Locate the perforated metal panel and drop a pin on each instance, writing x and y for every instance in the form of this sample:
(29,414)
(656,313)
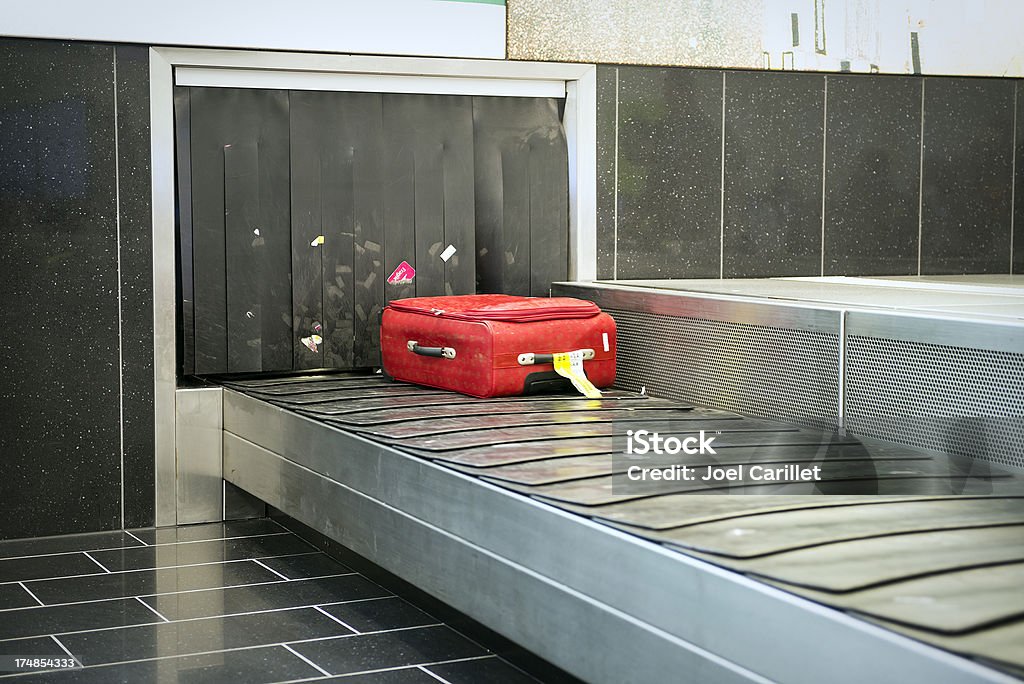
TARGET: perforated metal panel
(956,399)
(757,370)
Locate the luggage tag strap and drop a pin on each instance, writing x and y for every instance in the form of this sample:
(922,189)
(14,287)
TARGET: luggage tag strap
(570,365)
(532,359)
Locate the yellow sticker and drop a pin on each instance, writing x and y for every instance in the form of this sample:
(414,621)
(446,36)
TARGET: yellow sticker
(570,365)
(318,241)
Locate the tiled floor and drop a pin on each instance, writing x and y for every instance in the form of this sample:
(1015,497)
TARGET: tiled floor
(241,601)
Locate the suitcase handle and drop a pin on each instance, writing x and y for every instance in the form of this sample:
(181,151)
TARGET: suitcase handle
(531,359)
(436,352)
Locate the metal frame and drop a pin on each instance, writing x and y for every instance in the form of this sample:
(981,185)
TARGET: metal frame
(501,77)
(915,325)
(716,307)
(199,425)
(595,601)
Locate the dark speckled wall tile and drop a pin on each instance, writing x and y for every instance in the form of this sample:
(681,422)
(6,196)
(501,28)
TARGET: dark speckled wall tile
(873,156)
(1018,197)
(136,281)
(59,417)
(773,165)
(968,133)
(670,128)
(606,95)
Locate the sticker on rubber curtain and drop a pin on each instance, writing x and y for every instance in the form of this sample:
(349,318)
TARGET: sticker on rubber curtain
(402,275)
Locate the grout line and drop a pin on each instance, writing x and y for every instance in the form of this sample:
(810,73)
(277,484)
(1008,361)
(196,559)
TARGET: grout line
(264,565)
(164,567)
(920,186)
(171,593)
(218,539)
(227,615)
(338,620)
(432,674)
(440,662)
(306,660)
(120,317)
(280,525)
(1013,172)
(22,585)
(615,203)
(721,199)
(271,645)
(265,645)
(86,554)
(399,667)
(65,649)
(824,157)
(128,548)
(152,609)
(135,538)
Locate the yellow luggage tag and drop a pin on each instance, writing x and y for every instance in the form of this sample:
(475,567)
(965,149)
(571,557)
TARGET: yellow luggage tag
(570,365)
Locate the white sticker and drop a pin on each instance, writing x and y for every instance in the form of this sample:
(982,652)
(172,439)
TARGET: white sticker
(604,339)
(447,253)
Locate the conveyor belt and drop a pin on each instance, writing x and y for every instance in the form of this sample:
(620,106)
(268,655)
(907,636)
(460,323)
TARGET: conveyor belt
(931,553)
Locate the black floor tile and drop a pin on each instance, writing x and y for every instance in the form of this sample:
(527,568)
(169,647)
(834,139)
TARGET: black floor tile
(201,552)
(200,636)
(406,675)
(380,614)
(40,567)
(483,671)
(32,647)
(143,582)
(66,544)
(13,596)
(306,565)
(220,530)
(265,597)
(80,616)
(253,666)
(390,649)
(41,646)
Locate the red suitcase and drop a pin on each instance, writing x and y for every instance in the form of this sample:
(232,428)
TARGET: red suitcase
(494,345)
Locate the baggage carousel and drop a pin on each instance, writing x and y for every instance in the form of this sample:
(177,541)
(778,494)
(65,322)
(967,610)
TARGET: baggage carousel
(903,564)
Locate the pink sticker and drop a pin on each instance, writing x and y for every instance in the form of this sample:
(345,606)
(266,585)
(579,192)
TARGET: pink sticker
(403,274)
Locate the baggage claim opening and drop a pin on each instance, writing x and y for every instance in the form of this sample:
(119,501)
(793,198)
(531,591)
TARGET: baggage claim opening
(642,442)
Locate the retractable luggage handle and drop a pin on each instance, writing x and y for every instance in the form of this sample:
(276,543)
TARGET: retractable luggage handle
(530,359)
(436,352)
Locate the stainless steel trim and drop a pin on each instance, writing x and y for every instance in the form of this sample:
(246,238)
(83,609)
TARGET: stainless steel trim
(934,328)
(715,307)
(367,83)
(524,606)
(371,64)
(199,423)
(580,121)
(841,418)
(530,571)
(161,121)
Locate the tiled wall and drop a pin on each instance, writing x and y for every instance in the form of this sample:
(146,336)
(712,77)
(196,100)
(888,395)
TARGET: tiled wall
(76,351)
(711,173)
